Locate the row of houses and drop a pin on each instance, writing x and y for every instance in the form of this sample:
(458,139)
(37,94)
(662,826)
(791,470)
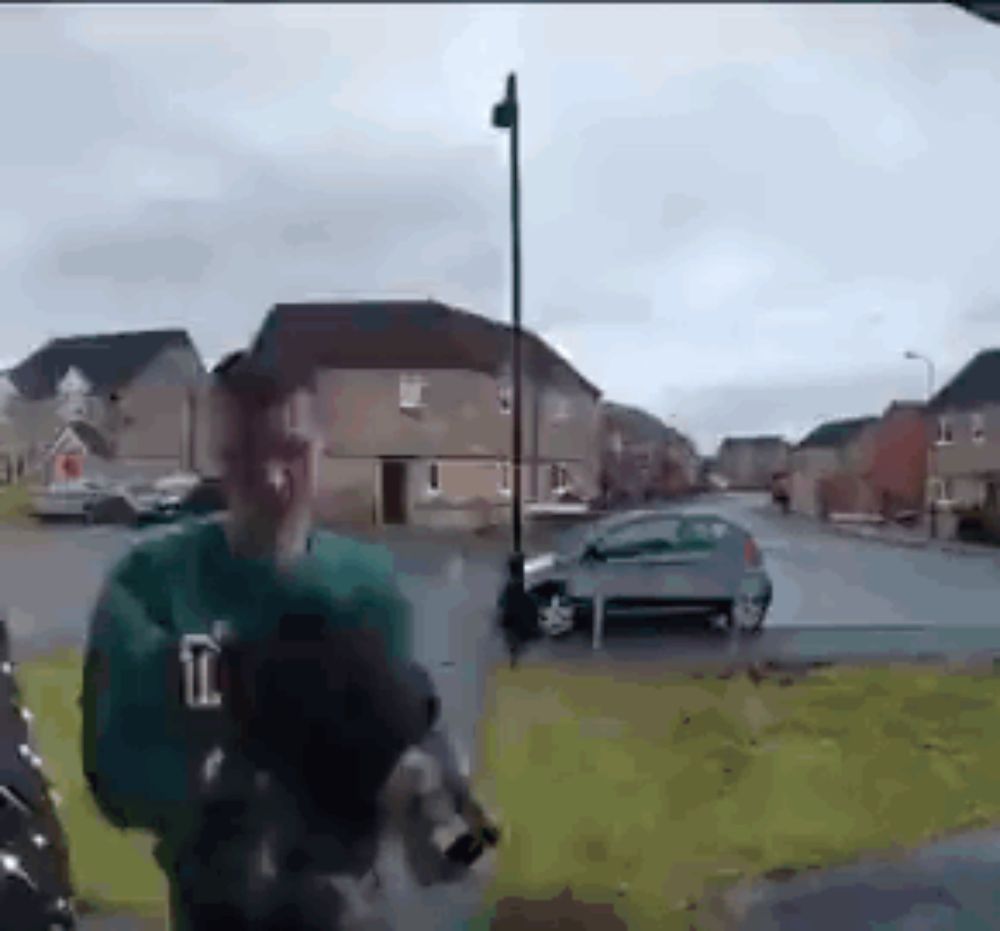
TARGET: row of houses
(940,458)
(417,403)
(750,462)
(642,459)
(863,465)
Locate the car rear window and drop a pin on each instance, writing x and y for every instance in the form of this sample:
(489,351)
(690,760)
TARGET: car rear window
(670,534)
(702,533)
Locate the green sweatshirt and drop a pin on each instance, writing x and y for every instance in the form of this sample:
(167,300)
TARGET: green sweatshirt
(137,752)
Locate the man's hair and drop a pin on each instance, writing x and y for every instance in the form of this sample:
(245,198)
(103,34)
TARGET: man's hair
(245,377)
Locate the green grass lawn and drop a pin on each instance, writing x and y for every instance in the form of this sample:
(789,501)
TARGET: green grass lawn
(15,504)
(676,787)
(644,797)
(113,870)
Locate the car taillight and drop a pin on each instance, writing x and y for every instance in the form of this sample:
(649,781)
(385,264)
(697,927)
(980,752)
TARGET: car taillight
(750,553)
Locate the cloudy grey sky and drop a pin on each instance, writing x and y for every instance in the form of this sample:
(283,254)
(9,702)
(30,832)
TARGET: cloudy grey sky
(737,217)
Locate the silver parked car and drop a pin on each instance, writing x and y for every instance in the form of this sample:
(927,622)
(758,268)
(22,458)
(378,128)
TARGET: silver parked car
(653,562)
(68,499)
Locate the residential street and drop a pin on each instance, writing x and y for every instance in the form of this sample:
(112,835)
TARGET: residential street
(834,596)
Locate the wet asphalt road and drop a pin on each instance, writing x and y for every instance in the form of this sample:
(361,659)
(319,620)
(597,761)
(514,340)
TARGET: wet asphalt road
(833,595)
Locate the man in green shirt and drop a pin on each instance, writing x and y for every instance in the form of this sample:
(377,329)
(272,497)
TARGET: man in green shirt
(152,693)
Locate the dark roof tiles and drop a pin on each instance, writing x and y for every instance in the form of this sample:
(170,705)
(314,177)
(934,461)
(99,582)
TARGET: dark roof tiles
(402,335)
(836,433)
(108,360)
(977,383)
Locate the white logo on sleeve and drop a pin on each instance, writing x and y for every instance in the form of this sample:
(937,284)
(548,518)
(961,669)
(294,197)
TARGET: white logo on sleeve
(200,669)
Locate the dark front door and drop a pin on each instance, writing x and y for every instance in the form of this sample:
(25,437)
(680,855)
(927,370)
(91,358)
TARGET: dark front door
(991,501)
(393,491)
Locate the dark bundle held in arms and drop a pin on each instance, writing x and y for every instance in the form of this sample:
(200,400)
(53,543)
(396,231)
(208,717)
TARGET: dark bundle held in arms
(315,723)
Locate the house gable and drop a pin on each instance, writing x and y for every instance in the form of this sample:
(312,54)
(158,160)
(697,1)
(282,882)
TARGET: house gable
(404,335)
(107,361)
(74,382)
(80,438)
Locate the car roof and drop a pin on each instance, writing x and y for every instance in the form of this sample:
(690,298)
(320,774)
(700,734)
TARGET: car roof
(579,538)
(650,514)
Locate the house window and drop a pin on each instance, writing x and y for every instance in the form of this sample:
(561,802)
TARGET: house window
(505,395)
(944,433)
(978,429)
(558,477)
(941,490)
(503,479)
(560,407)
(434,478)
(411,391)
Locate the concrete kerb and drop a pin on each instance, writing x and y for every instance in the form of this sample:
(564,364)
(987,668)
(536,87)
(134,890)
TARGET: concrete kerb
(866,533)
(890,539)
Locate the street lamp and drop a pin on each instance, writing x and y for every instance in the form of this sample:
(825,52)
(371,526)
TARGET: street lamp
(910,354)
(931,509)
(515,607)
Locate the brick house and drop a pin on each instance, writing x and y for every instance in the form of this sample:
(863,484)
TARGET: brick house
(964,425)
(896,471)
(116,404)
(750,462)
(642,458)
(825,469)
(417,402)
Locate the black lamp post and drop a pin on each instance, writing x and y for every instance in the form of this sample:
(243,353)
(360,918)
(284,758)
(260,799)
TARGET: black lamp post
(506,115)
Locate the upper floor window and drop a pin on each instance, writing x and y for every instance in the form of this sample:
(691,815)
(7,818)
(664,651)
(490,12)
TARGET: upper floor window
(978,428)
(411,391)
(434,477)
(505,396)
(560,407)
(944,431)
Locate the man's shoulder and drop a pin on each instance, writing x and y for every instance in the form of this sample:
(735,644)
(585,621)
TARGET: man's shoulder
(166,545)
(342,552)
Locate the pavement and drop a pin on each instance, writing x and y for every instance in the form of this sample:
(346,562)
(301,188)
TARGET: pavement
(950,884)
(838,596)
(913,539)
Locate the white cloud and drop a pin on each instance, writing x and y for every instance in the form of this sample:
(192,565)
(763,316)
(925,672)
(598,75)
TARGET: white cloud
(721,204)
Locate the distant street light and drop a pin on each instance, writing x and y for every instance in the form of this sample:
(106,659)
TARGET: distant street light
(910,354)
(931,509)
(506,115)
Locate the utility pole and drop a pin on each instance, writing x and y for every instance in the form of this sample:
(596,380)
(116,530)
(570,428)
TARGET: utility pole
(931,503)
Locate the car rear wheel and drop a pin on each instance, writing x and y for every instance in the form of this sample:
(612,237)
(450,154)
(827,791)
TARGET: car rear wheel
(746,614)
(556,615)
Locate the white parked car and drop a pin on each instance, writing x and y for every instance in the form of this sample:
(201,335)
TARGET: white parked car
(73,499)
